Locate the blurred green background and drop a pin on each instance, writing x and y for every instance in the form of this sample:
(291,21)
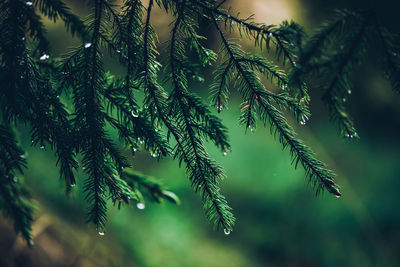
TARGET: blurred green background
(280,222)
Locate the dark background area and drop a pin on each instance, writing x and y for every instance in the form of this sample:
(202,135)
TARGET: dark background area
(280,222)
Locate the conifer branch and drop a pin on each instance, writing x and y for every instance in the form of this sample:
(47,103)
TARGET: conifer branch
(55,9)
(32,85)
(13,198)
(205,173)
(157,96)
(130,43)
(37,30)
(338,86)
(114,16)
(314,47)
(15,205)
(391,55)
(255,30)
(320,177)
(12,158)
(90,122)
(219,89)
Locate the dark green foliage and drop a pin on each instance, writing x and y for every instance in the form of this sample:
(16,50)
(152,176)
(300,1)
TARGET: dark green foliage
(391,58)
(36,90)
(13,197)
(336,50)
(55,9)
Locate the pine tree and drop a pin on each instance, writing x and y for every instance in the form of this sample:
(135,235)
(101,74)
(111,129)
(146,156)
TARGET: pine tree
(71,101)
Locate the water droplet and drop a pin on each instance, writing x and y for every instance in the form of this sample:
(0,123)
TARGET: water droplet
(154,155)
(15,179)
(140,206)
(349,91)
(118,51)
(337,196)
(73,185)
(44,57)
(229,16)
(134,115)
(22,156)
(29,3)
(23,38)
(134,149)
(101,233)
(225,153)
(42,147)
(227,231)
(344,99)
(129,197)
(302,122)
(83,168)
(141,142)
(270,35)
(87,45)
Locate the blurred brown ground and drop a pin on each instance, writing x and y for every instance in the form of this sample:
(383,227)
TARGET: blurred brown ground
(57,244)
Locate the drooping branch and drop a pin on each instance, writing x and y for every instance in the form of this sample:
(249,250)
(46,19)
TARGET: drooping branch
(321,177)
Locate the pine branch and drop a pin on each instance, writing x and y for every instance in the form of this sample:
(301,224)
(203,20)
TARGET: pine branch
(247,115)
(391,55)
(133,126)
(15,90)
(206,172)
(32,85)
(257,31)
(55,9)
(116,19)
(89,123)
(13,198)
(157,97)
(50,122)
(219,89)
(268,68)
(318,42)
(209,125)
(320,177)
(277,76)
(15,205)
(339,85)
(12,157)
(132,24)
(37,30)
